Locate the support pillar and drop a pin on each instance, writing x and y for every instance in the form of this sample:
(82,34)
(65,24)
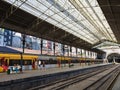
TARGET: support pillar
(41,45)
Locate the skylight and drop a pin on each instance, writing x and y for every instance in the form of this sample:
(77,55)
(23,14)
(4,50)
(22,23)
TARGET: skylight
(82,18)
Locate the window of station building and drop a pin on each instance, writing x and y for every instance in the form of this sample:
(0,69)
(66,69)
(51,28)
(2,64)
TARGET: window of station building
(82,53)
(9,37)
(5,43)
(73,51)
(5,33)
(0,37)
(86,53)
(78,52)
(59,49)
(9,32)
(8,43)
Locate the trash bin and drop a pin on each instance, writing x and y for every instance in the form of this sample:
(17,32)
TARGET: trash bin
(8,71)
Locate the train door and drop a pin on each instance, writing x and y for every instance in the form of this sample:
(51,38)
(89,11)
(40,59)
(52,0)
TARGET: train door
(4,63)
(59,61)
(69,63)
(34,64)
(1,69)
(1,61)
(7,62)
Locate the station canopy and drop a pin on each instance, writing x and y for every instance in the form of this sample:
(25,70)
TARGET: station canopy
(83,19)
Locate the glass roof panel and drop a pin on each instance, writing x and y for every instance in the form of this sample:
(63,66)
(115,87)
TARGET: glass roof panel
(82,18)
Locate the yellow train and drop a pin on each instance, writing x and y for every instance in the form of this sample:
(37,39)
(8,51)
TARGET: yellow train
(30,61)
(9,59)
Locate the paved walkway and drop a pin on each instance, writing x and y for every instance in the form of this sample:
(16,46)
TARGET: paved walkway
(32,73)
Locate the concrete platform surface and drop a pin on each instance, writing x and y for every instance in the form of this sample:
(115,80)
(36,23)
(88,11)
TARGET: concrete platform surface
(39,72)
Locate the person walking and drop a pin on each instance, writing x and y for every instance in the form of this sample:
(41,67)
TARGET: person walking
(43,64)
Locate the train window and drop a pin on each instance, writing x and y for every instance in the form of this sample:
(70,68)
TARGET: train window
(24,62)
(74,61)
(64,61)
(50,61)
(12,62)
(27,62)
(53,62)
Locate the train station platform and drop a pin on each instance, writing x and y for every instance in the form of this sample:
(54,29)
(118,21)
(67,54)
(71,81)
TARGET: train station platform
(32,73)
(6,79)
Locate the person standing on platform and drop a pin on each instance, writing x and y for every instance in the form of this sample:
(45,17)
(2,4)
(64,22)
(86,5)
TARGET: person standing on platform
(43,63)
(59,64)
(15,68)
(19,68)
(39,64)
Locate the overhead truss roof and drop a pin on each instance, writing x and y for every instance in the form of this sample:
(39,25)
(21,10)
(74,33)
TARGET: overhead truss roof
(79,23)
(111,10)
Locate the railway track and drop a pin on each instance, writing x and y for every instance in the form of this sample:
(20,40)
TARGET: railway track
(62,84)
(106,82)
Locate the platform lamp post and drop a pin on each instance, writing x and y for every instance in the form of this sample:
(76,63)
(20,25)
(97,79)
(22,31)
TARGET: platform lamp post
(68,50)
(23,47)
(76,51)
(63,55)
(85,57)
(54,48)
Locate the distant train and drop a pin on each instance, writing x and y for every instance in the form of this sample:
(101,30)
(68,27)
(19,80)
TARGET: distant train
(54,61)
(30,61)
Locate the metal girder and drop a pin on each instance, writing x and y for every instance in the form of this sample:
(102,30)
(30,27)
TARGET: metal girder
(73,2)
(56,5)
(65,35)
(35,31)
(35,23)
(17,22)
(99,18)
(9,12)
(108,9)
(12,27)
(53,30)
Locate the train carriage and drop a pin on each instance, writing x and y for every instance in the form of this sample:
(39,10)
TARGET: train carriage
(30,61)
(50,61)
(10,59)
